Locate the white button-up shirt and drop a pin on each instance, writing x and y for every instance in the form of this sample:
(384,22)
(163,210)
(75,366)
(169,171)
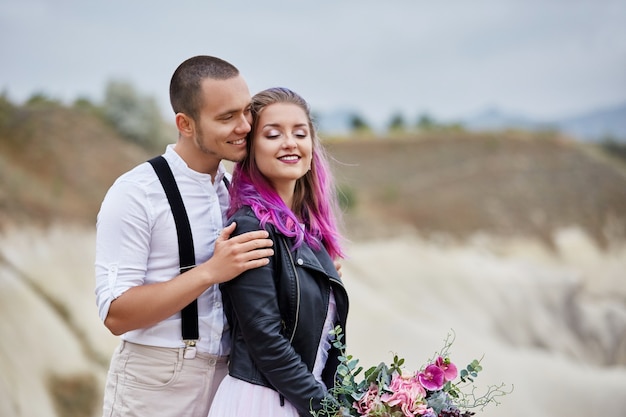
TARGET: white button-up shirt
(136,244)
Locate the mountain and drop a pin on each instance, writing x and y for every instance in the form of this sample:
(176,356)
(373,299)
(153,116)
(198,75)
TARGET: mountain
(593,126)
(336,122)
(597,125)
(496,119)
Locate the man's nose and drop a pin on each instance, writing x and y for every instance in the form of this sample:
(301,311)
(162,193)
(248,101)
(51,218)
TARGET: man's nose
(245,124)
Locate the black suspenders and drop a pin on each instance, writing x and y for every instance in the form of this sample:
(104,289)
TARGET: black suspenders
(189,314)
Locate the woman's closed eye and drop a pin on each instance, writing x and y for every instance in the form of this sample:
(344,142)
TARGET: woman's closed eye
(275,133)
(301,133)
(272,134)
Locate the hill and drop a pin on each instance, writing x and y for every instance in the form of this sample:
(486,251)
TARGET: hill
(58,162)
(459,185)
(595,126)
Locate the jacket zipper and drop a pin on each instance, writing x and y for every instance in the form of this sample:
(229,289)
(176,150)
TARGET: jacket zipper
(295,271)
(337,282)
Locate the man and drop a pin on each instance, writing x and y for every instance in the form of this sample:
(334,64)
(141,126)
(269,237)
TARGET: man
(139,288)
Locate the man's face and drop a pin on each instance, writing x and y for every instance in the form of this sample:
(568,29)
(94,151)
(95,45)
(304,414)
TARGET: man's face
(224,119)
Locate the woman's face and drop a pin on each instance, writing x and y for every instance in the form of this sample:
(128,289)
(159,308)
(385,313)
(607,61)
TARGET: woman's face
(283,146)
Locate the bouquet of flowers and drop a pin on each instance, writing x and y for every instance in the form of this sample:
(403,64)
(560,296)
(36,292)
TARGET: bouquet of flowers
(438,389)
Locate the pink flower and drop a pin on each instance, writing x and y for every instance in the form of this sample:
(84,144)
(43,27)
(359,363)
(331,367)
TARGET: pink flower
(423,408)
(407,394)
(432,378)
(370,401)
(449,369)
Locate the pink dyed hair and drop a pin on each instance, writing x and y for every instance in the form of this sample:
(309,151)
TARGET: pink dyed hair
(314,202)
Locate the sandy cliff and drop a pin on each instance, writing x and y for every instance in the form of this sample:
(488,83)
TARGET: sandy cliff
(553,324)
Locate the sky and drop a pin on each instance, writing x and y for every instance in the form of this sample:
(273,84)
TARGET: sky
(542,59)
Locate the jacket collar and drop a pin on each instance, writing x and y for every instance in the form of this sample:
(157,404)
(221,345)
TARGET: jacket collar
(319,260)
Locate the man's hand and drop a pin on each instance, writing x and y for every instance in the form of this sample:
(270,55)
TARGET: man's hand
(146,305)
(232,256)
(338,268)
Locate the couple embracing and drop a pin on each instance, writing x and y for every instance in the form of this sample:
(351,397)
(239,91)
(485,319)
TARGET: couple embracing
(223,288)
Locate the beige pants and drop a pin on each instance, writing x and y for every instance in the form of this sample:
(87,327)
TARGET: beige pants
(158,382)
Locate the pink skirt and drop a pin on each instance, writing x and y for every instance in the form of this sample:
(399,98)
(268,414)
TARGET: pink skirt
(237,398)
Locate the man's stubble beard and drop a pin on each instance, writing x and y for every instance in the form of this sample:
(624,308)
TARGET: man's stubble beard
(200,143)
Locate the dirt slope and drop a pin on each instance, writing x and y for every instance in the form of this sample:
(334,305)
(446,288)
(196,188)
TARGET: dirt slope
(57,163)
(507,184)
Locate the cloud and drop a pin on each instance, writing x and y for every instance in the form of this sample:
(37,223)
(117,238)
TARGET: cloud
(543,59)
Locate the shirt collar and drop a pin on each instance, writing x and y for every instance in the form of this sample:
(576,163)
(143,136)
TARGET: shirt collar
(177,163)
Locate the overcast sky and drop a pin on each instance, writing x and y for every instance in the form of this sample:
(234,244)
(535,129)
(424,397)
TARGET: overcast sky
(452,59)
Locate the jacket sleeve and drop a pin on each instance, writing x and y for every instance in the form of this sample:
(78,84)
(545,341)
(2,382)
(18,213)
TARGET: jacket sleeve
(254,302)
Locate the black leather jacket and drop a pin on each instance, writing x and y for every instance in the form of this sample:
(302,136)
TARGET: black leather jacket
(277,313)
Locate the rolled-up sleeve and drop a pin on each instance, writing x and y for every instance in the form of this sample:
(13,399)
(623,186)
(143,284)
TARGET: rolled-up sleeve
(122,242)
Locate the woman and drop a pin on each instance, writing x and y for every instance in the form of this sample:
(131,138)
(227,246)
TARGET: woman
(282,361)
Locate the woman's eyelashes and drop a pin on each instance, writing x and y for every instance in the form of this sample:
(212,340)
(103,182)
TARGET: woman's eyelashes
(301,133)
(275,134)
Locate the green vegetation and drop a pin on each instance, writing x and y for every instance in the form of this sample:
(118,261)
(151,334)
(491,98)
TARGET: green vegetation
(6,112)
(614,148)
(347,198)
(134,116)
(358,124)
(396,123)
(398,126)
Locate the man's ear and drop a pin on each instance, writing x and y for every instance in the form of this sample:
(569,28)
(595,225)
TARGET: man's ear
(185,124)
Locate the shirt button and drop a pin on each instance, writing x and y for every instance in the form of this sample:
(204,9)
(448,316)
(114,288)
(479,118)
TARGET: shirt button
(218,305)
(300,261)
